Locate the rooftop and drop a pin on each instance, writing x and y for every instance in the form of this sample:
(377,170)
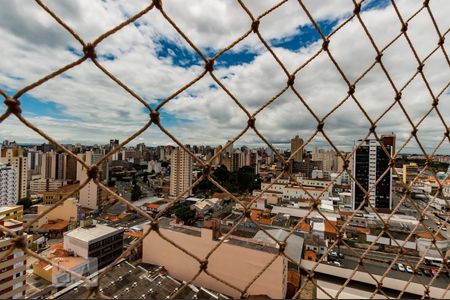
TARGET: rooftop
(144,281)
(92,233)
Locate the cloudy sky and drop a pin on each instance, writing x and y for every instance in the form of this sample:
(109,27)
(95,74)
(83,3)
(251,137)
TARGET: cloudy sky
(84,105)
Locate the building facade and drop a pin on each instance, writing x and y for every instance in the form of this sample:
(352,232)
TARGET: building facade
(180,172)
(370,163)
(13,266)
(17,159)
(8,185)
(296,143)
(95,241)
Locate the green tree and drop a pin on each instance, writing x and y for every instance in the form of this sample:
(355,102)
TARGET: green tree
(184,213)
(26,202)
(136,192)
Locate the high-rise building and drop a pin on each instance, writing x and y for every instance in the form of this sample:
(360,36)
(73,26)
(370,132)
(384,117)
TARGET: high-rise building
(180,172)
(13,266)
(369,164)
(8,185)
(17,159)
(235,160)
(296,143)
(410,172)
(89,194)
(327,157)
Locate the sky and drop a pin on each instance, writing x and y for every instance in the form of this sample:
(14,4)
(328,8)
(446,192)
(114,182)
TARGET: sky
(83,105)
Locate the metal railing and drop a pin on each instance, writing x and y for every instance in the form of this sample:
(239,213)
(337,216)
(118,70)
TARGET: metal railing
(89,53)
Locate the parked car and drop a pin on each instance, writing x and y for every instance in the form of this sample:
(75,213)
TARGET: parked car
(337,254)
(409,269)
(434,272)
(426,272)
(338,264)
(418,272)
(401,268)
(394,267)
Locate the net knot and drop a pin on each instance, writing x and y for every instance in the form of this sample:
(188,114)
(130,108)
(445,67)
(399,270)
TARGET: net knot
(20,242)
(209,66)
(92,172)
(404,28)
(255,26)
(203,265)
(398,96)
(357,8)
(251,122)
(291,80)
(13,106)
(325,44)
(206,169)
(154,225)
(378,57)
(372,128)
(157,4)
(154,117)
(320,126)
(282,247)
(89,51)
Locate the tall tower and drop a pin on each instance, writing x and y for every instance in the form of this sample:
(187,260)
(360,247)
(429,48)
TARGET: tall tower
(180,172)
(296,143)
(369,164)
(17,159)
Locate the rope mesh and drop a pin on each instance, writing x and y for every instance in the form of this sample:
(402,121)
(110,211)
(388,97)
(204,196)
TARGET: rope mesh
(14,109)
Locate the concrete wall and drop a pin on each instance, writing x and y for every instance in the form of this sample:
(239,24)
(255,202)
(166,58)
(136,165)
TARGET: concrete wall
(235,264)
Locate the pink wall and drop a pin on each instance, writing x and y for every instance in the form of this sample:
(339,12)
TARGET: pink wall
(234,264)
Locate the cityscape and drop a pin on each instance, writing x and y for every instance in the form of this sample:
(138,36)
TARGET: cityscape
(211,149)
(88,228)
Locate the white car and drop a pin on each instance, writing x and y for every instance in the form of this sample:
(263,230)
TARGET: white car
(401,268)
(409,269)
(336,263)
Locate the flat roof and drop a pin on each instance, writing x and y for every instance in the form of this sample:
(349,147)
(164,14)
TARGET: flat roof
(9,207)
(92,233)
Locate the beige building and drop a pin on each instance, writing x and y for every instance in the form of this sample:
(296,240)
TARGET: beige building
(237,260)
(180,172)
(296,143)
(328,159)
(66,211)
(410,171)
(42,185)
(13,266)
(51,197)
(17,158)
(89,194)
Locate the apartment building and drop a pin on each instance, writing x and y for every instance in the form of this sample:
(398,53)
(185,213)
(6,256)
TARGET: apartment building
(17,159)
(180,172)
(296,143)
(8,185)
(13,266)
(369,165)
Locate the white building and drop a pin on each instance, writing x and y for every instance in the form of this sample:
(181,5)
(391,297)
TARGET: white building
(18,161)
(180,172)
(8,185)
(95,241)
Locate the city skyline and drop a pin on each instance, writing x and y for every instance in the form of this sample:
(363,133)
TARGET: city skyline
(91,106)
